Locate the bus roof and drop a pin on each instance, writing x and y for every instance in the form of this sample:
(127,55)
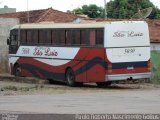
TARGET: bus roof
(58,25)
(67,25)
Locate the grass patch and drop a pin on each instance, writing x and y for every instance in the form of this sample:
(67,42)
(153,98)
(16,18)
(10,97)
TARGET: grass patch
(155,57)
(155,81)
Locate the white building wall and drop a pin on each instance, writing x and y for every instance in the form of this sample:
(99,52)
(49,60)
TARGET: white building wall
(5,25)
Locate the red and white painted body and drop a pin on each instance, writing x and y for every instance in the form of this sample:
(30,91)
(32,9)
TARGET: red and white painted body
(125,55)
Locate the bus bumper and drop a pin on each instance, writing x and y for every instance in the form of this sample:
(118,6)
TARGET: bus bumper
(118,77)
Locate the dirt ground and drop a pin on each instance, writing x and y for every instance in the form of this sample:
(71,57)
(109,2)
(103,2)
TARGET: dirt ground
(10,85)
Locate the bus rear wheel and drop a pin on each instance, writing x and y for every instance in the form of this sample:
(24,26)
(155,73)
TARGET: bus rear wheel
(103,84)
(70,78)
(17,70)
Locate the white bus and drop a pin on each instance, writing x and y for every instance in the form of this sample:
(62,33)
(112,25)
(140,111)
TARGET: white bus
(81,53)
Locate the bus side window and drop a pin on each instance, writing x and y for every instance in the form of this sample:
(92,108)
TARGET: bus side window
(42,36)
(48,37)
(35,36)
(76,37)
(23,37)
(29,37)
(68,37)
(92,37)
(84,37)
(62,37)
(99,37)
(55,37)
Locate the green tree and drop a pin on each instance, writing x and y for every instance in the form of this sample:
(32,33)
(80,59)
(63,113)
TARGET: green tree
(77,11)
(125,9)
(118,9)
(93,11)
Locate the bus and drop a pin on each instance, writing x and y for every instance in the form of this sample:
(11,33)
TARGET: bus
(99,53)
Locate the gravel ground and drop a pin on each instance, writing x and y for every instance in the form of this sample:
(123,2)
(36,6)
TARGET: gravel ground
(9,87)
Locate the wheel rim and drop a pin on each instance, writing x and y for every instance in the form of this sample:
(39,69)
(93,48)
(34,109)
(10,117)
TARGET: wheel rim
(70,78)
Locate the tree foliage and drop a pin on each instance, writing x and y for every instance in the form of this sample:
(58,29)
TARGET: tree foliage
(93,11)
(125,9)
(118,9)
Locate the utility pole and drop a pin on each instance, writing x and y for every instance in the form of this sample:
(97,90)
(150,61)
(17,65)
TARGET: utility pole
(105,10)
(27,12)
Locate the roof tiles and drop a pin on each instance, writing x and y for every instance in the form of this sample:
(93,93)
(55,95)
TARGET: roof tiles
(41,15)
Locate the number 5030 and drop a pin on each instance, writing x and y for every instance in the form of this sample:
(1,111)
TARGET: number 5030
(132,50)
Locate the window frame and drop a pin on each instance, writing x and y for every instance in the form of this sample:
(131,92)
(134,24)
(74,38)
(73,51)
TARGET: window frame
(80,37)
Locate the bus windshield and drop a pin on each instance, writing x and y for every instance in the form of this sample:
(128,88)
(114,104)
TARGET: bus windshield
(13,40)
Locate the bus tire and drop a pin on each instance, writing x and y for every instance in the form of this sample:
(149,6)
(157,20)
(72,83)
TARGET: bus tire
(17,70)
(103,84)
(70,78)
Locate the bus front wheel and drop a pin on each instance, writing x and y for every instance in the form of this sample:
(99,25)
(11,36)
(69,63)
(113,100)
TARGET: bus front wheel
(103,84)
(17,70)
(70,78)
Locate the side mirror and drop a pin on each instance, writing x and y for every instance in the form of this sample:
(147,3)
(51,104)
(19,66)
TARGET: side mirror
(8,41)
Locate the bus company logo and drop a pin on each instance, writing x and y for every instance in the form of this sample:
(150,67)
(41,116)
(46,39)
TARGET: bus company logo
(38,51)
(122,34)
(25,51)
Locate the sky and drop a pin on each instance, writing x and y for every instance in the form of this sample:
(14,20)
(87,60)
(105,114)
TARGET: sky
(61,5)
